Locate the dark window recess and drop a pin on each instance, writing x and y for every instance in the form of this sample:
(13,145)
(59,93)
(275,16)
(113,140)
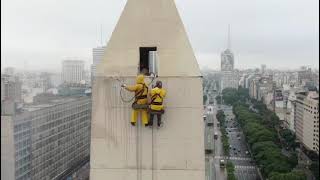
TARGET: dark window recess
(144,59)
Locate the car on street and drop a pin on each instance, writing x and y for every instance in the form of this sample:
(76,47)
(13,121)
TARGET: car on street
(222,163)
(215,135)
(247,152)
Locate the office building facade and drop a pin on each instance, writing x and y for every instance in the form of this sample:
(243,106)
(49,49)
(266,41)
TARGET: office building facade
(46,141)
(307,119)
(97,57)
(11,93)
(10,88)
(72,71)
(227,60)
(229,78)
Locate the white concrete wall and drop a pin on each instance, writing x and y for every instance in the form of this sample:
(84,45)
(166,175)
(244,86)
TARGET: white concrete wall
(149,23)
(178,146)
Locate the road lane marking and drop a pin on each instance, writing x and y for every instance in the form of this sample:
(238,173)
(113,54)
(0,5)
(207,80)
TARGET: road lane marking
(233,158)
(244,167)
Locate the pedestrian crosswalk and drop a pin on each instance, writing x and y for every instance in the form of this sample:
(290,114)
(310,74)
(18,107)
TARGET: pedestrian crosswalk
(233,158)
(244,167)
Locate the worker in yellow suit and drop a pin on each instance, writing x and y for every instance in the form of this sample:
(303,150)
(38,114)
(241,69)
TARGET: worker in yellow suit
(156,105)
(141,91)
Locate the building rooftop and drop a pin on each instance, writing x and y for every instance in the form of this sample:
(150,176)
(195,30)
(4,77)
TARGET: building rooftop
(50,103)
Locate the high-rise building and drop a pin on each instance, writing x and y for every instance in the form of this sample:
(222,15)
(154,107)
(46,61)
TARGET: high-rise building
(265,86)
(11,93)
(227,60)
(10,88)
(72,71)
(262,88)
(307,119)
(263,68)
(97,57)
(229,78)
(289,119)
(46,141)
(279,105)
(304,76)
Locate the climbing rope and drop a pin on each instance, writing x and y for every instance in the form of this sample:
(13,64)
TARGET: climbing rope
(152,149)
(121,90)
(124,100)
(154,76)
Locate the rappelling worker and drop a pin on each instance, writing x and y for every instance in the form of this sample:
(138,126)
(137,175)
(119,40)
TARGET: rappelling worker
(157,95)
(141,91)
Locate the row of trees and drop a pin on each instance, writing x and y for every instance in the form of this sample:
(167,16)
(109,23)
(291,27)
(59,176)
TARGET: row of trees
(224,137)
(218,99)
(264,144)
(232,96)
(260,130)
(230,171)
(288,139)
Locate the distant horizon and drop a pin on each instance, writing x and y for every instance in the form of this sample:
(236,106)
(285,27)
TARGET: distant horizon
(262,32)
(203,68)
(211,61)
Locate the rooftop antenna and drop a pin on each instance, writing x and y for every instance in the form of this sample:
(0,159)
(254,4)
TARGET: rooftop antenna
(229,39)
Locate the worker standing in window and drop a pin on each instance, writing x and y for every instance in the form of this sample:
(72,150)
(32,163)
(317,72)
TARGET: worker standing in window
(156,105)
(141,102)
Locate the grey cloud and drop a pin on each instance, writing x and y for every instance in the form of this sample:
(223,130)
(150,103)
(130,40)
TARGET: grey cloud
(271,32)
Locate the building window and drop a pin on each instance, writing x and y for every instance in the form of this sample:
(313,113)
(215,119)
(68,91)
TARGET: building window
(144,59)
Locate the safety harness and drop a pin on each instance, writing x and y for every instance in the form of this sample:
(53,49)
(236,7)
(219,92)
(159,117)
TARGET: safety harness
(139,95)
(154,97)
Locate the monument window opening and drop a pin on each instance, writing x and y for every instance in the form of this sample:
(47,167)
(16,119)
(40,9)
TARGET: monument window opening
(146,65)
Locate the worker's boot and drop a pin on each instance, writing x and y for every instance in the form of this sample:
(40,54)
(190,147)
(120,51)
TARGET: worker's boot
(133,123)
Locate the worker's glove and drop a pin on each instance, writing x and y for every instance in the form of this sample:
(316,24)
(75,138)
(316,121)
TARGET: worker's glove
(123,85)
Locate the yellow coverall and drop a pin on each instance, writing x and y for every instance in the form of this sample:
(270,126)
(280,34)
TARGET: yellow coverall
(158,96)
(138,87)
(156,104)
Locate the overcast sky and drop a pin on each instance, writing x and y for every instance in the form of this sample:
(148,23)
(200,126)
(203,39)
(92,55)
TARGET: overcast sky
(38,34)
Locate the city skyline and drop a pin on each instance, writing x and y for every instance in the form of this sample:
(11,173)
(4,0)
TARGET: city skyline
(258,36)
(160,89)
